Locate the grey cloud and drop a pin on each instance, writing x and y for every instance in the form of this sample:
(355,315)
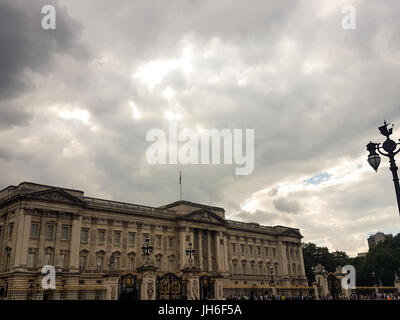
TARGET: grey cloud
(304,122)
(286,205)
(26,47)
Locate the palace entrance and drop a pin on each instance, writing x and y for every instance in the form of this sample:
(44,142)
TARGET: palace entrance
(169,287)
(206,288)
(128,287)
(334,286)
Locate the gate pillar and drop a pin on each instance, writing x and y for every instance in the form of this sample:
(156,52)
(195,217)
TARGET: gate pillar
(191,277)
(218,288)
(111,285)
(147,276)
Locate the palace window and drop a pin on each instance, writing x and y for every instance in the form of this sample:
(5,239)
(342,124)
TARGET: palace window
(260,268)
(274,252)
(84,235)
(244,271)
(63,263)
(34,230)
(115,261)
(259,251)
(234,266)
(100,261)
(48,256)
(252,267)
(102,236)
(10,230)
(117,237)
(171,263)
(83,260)
(65,233)
(158,241)
(233,248)
(50,232)
(8,258)
(251,250)
(31,258)
(131,259)
(171,242)
(131,238)
(158,260)
(266,251)
(242,248)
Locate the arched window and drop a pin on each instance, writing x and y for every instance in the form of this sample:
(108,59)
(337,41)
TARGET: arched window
(32,254)
(234,266)
(244,269)
(100,260)
(159,261)
(260,267)
(115,260)
(131,261)
(171,263)
(252,271)
(83,257)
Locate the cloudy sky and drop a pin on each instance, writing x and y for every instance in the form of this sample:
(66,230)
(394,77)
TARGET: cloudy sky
(77,102)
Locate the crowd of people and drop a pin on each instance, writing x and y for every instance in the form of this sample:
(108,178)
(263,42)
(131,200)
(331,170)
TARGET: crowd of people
(373,296)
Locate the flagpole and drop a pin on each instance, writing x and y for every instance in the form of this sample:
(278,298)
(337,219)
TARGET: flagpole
(180,183)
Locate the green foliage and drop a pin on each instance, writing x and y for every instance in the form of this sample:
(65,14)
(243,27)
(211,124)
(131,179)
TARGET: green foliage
(378,266)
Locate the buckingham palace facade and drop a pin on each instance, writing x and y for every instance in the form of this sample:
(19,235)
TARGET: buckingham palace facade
(97,249)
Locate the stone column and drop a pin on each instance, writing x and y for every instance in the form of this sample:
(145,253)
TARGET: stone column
(200,234)
(24,230)
(75,242)
(281,253)
(303,272)
(209,251)
(226,262)
(182,244)
(218,252)
(42,230)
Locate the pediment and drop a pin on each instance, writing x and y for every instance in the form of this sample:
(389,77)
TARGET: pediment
(55,194)
(204,215)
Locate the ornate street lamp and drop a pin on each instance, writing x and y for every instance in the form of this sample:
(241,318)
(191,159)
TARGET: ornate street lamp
(190,252)
(271,272)
(390,147)
(147,249)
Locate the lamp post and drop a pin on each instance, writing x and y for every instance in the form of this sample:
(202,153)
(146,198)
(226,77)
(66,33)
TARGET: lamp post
(190,252)
(147,249)
(271,272)
(390,147)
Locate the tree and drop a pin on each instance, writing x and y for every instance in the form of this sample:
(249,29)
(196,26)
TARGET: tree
(378,266)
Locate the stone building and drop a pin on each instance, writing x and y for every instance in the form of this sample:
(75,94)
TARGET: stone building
(374,239)
(93,243)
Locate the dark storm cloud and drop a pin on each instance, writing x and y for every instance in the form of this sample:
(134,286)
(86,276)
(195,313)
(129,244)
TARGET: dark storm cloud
(26,47)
